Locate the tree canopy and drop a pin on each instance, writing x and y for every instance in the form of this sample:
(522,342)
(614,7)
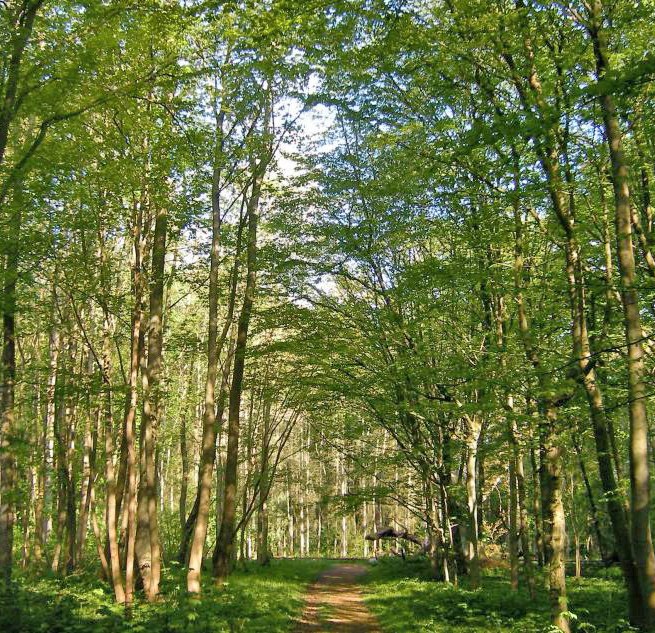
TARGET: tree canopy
(328,279)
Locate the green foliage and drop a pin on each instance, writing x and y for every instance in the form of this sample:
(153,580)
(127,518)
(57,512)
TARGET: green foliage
(263,600)
(407,601)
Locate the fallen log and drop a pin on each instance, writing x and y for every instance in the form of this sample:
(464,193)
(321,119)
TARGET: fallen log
(389,532)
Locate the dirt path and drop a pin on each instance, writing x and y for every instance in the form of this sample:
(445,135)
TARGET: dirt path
(334,603)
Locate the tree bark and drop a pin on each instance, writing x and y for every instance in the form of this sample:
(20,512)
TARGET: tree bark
(208,451)
(552,507)
(7,456)
(48,423)
(642,543)
(129,425)
(473,425)
(225,541)
(188,528)
(263,555)
(110,478)
(148,548)
(23,24)
(512,533)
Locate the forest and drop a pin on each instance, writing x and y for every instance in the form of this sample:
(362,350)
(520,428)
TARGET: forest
(327,315)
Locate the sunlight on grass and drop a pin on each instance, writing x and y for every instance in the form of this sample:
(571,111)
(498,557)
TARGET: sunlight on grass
(257,600)
(405,600)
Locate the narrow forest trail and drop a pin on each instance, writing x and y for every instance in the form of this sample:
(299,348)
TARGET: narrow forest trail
(335,603)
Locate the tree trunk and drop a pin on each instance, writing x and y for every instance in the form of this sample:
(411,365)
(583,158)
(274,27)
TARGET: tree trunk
(7,456)
(642,544)
(512,533)
(208,451)
(553,511)
(473,426)
(343,484)
(136,361)
(147,544)
(18,43)
(590,498)
(524,536)
(111,516)
(90,452)
(188,528)
(263,556)
(536,508)
(554,521)
(127,467)
(225,541)
(184,457)
(48,425)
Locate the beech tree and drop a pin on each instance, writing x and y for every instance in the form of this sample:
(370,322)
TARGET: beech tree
(327,280)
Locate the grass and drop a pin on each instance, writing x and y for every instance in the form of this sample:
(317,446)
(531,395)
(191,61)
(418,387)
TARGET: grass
(268,600)
(405,600)
(256,600)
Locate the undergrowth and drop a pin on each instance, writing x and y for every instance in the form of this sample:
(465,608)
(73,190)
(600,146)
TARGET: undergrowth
(255,600)
(406,600)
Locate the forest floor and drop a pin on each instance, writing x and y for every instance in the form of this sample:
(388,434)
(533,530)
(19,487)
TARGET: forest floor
(311,596)
(404,599)
(255,600)
(335,603)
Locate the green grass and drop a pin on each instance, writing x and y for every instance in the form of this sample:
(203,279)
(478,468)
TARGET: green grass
(256,600)
(407,601)
(267,600)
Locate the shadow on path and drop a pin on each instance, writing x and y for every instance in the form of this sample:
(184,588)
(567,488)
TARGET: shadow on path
(335,604)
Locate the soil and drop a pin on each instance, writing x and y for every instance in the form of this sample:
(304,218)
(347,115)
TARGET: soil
(334,603)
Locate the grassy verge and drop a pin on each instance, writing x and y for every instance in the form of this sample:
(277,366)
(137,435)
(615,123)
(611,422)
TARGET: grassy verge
(407,601)
(256,600)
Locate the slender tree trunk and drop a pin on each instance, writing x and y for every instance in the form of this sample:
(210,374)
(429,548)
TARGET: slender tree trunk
(18,43)
(524,535)
(48,425)
(208,452)
(225,541)
(590,498)
(554,521)
(127,477)
(642,544)
(307,484)
(7,430)
(536,508)
(512,533)
(188,529)
(90,450)
(85,484)
(343,485)
(70,413)
(184,457)
(25,520)
(574,529)
(11,255)
(552,507)
(587,376)
(102,557)
(61,468)
(136,361)
(110,477)
(263,555)
(473,426)
(480,483)
(150,556)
